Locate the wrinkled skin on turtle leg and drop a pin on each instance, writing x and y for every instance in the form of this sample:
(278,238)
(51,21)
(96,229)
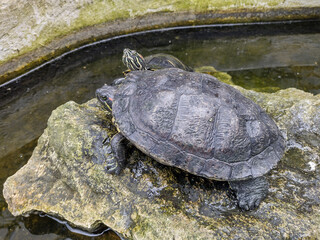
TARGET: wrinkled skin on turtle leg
(250,192)
(118,145)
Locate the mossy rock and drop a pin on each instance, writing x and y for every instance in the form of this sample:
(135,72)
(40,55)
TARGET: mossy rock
(66,177)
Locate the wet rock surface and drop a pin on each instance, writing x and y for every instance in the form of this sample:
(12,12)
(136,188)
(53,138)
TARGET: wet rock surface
(66,177)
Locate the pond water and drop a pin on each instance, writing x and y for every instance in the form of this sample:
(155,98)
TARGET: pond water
(264,57)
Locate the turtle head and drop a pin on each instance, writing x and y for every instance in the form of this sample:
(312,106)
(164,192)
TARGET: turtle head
(105,96)
(133,60)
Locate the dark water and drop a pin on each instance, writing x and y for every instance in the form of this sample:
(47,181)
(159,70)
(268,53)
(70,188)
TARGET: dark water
(263,57)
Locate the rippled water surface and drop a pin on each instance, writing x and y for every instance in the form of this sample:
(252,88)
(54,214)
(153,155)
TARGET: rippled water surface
(266,57)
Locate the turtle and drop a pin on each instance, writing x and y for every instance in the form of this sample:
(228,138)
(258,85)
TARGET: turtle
(135,61)
(194,122)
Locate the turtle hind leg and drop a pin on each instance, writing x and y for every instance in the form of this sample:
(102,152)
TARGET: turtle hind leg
(118,145)
(250,192)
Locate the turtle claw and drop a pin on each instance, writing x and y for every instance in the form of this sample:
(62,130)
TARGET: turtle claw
(249,203)
(256,203)
(250,192)
(115,164)
(243,206)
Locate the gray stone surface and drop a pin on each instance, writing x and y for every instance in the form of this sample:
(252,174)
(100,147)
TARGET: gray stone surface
(65,177)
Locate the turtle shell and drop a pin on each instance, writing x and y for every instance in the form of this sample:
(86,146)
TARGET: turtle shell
(197,123)
(162,60)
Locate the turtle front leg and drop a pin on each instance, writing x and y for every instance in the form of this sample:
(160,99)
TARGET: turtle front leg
(118,145)
(250,192)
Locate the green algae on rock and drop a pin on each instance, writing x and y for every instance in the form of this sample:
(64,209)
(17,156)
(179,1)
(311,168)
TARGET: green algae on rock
(65,177)
(222,76)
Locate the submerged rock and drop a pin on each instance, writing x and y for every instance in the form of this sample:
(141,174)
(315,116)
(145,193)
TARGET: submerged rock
(66,177)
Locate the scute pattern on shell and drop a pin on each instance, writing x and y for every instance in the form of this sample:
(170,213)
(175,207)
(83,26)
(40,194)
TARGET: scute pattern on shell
(197,123)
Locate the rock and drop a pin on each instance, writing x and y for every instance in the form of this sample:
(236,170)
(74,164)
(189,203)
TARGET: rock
(65,177)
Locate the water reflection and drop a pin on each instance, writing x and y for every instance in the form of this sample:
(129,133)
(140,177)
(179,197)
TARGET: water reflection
(273,79)
(36,227)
